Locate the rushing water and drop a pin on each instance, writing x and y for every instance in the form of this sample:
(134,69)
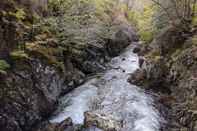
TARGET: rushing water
(112,95)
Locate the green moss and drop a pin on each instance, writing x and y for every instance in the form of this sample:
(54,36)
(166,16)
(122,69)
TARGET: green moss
(194,40)
(15,55)
(3,66)
(146,36)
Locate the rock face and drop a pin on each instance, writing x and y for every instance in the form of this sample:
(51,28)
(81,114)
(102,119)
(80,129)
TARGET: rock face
(29,94)
(172,75)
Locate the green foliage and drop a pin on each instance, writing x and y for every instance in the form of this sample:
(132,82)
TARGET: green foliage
(194,19)
(144,22)
(4,66)
(78,24)
(194,40)
(19,55)
(19,14)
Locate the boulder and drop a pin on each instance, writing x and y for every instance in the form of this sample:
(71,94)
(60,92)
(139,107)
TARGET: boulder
(138,77)
(101,121)
(121,39)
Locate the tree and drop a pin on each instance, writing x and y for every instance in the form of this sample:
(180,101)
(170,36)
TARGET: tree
(177,11)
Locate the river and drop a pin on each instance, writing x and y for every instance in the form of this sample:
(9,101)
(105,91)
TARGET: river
(111,95)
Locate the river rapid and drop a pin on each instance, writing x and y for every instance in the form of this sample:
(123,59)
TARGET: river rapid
(112,96)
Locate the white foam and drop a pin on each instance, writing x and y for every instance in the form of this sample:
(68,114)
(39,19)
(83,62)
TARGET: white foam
(116,97)
(75,104)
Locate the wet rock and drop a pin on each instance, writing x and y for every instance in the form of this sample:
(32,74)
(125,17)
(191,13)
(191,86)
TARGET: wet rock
(92,67)
(136,49)
(71,84)
(121,39)
(141,61)
(66,125)
(138,77)
(106,123)
(123,59)
(29,93)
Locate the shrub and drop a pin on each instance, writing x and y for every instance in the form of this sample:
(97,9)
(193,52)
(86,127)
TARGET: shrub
(3,66)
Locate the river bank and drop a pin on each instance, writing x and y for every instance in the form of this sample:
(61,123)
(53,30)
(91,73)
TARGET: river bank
(168,67)
(110,102)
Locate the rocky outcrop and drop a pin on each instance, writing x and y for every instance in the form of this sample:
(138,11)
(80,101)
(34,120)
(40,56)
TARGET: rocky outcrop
(172,75)
(29,93)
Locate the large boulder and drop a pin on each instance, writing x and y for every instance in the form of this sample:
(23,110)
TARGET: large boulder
(121,39)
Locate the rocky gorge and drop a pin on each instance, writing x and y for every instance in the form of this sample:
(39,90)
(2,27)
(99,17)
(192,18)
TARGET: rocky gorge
(30,91)
(86,65)
(34,82)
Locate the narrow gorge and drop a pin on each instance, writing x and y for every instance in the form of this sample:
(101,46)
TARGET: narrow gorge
(98,65)
(110,102)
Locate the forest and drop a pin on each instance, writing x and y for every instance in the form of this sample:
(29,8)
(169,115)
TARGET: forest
(98,65)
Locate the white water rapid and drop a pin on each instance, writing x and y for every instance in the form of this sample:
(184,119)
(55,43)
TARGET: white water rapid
(112,95)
